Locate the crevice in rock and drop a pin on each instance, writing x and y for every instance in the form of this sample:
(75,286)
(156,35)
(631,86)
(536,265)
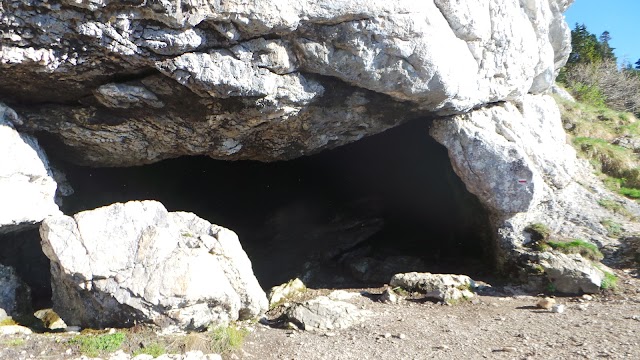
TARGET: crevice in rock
(21,250)
(349,216)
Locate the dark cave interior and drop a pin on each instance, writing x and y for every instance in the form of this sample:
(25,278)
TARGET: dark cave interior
(345,217)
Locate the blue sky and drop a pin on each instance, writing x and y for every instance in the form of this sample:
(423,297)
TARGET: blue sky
(620,17)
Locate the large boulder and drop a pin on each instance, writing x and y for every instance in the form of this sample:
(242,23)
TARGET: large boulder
(27,187)
(571,274)
(263,80)
(137,262)
(323,313)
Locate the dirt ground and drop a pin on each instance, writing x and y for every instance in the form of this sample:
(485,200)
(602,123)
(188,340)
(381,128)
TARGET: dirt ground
(498,324)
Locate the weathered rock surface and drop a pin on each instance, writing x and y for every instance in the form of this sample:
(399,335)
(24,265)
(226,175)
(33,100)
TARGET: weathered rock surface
(571,273)
(443,287)
(136,262)
(15,296)
(27,187)
(516,159)
(281,293)
(322,313)
(264,80)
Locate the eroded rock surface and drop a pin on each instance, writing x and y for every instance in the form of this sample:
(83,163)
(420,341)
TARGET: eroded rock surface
(123,83)
(444,287)
(323,313)
(136,262)
(27,187)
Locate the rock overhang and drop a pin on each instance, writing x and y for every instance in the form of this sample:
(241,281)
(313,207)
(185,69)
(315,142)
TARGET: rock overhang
(265,81)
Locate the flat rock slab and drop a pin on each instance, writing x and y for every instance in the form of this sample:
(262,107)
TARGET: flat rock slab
(136,262)
(322,313)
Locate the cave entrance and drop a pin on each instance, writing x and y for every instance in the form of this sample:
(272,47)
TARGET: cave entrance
(350,216)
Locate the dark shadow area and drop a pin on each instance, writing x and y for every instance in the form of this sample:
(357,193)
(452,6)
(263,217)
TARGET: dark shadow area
(350,216)
(22,251)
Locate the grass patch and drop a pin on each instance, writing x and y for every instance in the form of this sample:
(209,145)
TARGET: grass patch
(220,340)
(615,206)
(154,349)
(629,192)
(609,282)
(227,338)
(95,345)
(577,246)
(593,128)
(614,229)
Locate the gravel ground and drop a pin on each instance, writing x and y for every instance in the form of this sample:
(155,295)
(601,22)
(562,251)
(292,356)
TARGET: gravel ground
(495,325)
(499,326)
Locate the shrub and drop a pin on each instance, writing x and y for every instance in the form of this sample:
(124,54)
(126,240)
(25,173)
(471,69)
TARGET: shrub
(602,83)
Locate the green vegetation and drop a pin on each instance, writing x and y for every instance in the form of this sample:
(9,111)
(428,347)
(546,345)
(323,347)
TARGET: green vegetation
(609,282)
(614,229)
(578,246)
(226,338)
(614,206)
(154,349)
(7,321)
(604,123)
(95,345)
(593,76)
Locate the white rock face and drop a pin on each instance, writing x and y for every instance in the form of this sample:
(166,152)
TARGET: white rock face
(266,80)
(509,157)
(323,313)
(571,274)
(27,188)
(131,262)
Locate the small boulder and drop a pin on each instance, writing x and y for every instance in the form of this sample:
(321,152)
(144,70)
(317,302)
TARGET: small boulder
(388,296)
(546,303)
(443,287)
(137,262)
(571,273)
(50,319)
(323,313)
(286,291)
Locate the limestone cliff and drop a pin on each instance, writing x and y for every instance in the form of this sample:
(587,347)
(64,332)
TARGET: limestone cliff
(134,82)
